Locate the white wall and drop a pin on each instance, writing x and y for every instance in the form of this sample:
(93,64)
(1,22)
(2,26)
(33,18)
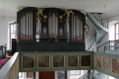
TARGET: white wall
(56,74)
(111,22)
(102,76)
(105,39)
(111,30)
(90,34)
(116,18)
(4,29)
(0,30)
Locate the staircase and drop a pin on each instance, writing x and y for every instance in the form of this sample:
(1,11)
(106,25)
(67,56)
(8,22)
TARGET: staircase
(100,26)
(110,47)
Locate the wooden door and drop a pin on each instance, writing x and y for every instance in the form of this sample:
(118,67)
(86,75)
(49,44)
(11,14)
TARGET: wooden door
(14,45)
(47,75)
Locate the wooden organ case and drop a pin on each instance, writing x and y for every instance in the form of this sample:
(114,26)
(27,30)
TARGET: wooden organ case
(50,29)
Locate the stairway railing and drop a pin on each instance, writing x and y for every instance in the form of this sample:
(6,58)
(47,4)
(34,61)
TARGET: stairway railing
(101,21)
(83,76)
(109,45)
(98,21)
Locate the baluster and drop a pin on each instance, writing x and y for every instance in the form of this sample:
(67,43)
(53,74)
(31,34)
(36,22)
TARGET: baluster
(100,21)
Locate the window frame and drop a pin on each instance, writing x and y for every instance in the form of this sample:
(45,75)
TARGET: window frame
(115,31)
(11,29)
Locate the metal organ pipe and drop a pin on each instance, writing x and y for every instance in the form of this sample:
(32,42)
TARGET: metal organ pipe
(26,26)
(53,27)
(49,25)
(81,28)
(38,29)
(67,24)
(56,26)
(72,27)
(31,25)
(23,27)
(65,28)
(77,28)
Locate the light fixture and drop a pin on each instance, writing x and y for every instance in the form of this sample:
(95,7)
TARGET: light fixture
(104,10)
(3,18)
(105,23)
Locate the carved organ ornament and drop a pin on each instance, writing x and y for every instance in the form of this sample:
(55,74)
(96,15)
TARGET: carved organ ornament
(50,24)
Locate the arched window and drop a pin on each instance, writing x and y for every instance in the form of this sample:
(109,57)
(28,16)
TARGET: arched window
(13,30)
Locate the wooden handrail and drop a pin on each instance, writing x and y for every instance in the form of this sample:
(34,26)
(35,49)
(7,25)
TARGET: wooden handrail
(7,68)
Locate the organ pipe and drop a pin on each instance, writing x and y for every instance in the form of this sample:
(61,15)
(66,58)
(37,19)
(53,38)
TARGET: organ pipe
(26,26)
(53,26)
(76,29)
(31,25)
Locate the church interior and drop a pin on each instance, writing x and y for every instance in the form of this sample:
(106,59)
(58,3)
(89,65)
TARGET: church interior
(59,39)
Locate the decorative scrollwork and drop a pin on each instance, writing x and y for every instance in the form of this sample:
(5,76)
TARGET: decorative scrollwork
(40,12)
(68,13)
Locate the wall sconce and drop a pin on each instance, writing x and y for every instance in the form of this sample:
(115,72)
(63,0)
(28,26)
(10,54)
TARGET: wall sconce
(3,18)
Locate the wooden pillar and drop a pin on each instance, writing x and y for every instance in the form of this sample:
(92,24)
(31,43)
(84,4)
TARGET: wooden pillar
(65,74)
(34,77)
(89,74)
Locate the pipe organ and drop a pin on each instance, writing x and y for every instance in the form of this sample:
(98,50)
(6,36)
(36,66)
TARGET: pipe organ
(49,25)
(26,26)
(53,26)
(77,25)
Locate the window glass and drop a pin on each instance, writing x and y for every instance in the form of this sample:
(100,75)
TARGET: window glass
(20,74)
(110,77)
(117,37)
(75,72)
(117,29)
(13,30)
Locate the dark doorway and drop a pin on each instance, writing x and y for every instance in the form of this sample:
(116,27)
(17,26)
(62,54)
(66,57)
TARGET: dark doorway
(47,75)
